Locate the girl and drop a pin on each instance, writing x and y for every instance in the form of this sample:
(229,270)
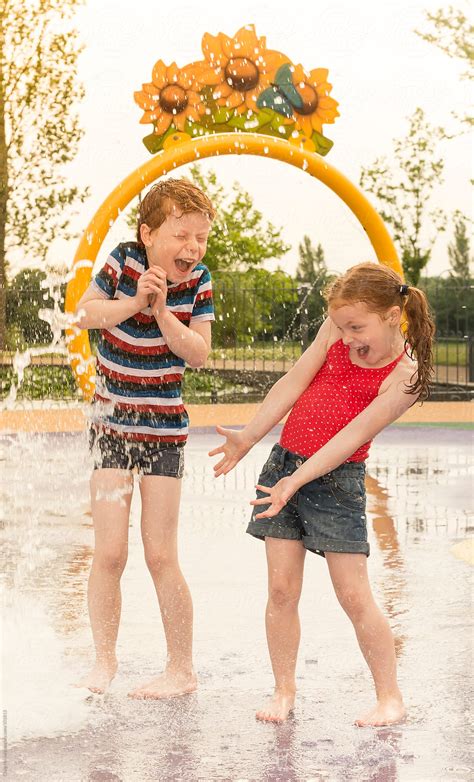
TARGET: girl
(360,374)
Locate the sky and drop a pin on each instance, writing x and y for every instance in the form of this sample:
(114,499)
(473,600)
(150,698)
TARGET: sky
(381,71)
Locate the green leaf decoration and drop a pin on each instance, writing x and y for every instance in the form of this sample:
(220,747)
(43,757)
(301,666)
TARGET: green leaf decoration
(239,122)
(222,115)
(322,144)
(154,143)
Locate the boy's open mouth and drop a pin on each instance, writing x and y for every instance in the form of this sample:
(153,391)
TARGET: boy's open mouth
(184,265)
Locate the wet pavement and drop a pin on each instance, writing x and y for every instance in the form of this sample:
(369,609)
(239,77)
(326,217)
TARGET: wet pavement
(420,495)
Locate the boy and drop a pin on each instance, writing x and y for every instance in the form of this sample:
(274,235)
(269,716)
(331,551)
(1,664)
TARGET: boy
(153,303)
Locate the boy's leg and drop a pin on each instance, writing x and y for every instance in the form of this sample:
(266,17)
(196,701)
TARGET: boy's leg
(351,583)
(160,510)
(111,494)
(285,559)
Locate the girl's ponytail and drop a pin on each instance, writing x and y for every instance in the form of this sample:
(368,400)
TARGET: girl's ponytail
(419,339)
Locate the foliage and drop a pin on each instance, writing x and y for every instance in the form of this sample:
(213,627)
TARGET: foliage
(451,31)
(452,303)
(313,276)
(27,294)
(404,191)
(251,305)
(39,127)
(459,251)
(240,239)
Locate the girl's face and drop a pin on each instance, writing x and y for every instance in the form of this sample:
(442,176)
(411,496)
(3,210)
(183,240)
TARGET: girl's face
(373,339)
(178,245)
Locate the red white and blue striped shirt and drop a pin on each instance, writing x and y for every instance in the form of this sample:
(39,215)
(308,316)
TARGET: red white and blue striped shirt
(138,378)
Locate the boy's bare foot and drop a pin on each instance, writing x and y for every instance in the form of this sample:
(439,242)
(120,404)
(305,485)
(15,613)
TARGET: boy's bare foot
(277,708)
(99,678)
(385,712)
(167,685)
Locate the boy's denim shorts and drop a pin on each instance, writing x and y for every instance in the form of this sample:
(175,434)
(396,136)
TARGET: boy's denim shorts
(147,458)
(327,514)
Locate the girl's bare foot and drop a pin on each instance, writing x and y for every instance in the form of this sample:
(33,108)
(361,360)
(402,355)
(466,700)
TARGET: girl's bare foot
(168,685)
(99,678)
(277,708)
(385,712)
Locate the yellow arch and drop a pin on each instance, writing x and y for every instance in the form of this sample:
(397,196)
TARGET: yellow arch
(166,162)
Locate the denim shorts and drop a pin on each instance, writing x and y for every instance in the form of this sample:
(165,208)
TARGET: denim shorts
(147,458)
(327,514)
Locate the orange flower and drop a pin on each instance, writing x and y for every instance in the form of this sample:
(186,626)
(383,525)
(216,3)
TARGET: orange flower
(171,97)
(318,108)
(238,68)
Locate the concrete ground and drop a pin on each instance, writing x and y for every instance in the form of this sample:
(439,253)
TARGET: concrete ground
(419,498)
(69,418)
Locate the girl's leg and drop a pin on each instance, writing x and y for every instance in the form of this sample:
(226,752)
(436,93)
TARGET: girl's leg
(111,494)
(285,559)
(160,508)
(350,580)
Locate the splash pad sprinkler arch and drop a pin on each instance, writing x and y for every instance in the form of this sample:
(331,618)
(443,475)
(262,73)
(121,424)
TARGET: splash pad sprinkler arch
(241,99)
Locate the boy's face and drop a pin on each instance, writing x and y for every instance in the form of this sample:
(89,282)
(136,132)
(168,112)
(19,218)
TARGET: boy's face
(178,244)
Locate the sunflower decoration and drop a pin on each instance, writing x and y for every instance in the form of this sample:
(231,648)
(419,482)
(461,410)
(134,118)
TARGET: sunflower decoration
(304,98)
(240,85)
(239,69)
(171,101)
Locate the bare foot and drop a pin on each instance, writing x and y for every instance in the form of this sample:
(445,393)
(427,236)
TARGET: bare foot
(385,712)
(277,708)
(167,685)
(99,678)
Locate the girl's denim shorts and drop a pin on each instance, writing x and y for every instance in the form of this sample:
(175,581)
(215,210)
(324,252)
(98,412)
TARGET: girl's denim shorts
(327,514)
(147,458)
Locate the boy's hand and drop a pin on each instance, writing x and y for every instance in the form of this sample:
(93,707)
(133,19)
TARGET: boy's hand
(158,300)
(150,287)
(278,496)
(234,449)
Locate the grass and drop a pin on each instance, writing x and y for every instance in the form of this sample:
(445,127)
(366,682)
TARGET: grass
(451,354)
(267,351)
(57,382)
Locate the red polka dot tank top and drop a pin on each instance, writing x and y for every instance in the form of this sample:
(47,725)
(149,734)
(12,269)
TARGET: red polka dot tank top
(336,395)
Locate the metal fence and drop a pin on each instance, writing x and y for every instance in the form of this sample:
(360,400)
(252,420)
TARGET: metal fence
(258,335)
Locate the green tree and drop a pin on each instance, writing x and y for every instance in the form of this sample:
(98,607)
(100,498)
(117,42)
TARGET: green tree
(404,189)
(26,295)
(240,238)
(459,251)
(313,276)
(254,305)
(39,127)
(451,31)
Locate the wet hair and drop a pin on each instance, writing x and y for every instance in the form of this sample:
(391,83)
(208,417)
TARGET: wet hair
(163,196)
(381,288)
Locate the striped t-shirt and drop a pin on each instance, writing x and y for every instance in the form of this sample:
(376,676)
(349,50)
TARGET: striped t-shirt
(138,378)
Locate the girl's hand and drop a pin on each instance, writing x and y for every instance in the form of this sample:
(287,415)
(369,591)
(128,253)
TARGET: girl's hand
(278,496)
(234,448)
(149,286)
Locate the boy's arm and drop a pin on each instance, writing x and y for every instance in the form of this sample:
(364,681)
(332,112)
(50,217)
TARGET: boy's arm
(279,400)
(384,409)
(192,343)
(97,311)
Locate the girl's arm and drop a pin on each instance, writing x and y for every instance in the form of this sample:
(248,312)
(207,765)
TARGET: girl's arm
(279,400)
(385,409)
